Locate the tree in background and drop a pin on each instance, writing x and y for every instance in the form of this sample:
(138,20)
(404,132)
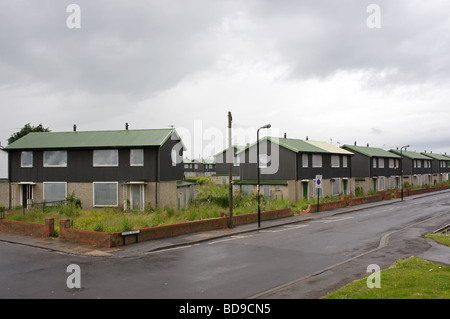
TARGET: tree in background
(25,130)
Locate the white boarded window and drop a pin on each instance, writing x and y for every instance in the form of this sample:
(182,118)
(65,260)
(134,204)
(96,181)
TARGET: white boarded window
(374,162)
(55,159)
(106,158)
(55,192)
(26,159)
(391,182)
(381,185)
(334,160)
(305,160)
(381,163)
(335,186)
(317,160)
(391,163)
(344,161)
(105,194)
(137,157)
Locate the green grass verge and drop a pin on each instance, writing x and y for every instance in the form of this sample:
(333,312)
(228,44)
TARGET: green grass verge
(410,278)
(440,238)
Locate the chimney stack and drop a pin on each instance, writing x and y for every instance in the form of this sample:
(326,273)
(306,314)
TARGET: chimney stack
(126,126)
(284,135)
(74,127)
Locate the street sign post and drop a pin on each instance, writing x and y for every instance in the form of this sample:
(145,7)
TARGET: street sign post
(318,186)
(318,181)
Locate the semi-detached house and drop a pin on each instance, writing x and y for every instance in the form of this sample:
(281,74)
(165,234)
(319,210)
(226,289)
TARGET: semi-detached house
(374,169)
(440,167)
(120,168)
(416,168)
(289,168)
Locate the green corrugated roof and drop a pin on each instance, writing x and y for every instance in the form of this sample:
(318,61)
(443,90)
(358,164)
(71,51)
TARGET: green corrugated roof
(304,146)
(436,156)
(411,155)
(297,145)
(371,151)
(90,139)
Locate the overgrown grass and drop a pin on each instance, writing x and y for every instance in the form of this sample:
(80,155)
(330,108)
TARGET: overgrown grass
(410,278)
(212,200)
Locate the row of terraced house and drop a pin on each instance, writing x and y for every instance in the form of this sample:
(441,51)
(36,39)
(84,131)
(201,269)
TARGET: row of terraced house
(136,168)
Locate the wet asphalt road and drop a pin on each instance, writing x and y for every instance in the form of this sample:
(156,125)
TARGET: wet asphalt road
(302,260)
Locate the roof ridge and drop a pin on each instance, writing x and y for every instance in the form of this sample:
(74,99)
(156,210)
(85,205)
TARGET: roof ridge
(89,139)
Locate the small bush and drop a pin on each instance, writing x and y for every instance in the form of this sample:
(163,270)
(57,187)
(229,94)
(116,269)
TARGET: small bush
(99,226)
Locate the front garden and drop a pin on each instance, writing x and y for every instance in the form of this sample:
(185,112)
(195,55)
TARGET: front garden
(212,202)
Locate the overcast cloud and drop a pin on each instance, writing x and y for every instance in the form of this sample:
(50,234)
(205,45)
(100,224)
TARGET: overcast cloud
(310,68)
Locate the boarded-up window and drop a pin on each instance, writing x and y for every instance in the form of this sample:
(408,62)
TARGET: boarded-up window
(391,163)
(391,182)
(305,160)
(137,157)
(55,192)
(317,160)
(335,161)
(106,158)
(55,159)
(106,194)
(381,183)
(335,186)
(26,159)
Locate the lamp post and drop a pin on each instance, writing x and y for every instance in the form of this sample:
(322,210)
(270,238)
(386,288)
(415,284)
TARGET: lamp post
(257,164)
(401,164)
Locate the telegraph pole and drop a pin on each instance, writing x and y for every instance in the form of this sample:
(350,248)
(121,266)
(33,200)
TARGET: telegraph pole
(230,170)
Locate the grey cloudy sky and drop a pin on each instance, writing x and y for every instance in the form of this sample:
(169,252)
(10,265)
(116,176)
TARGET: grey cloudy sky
(310,68)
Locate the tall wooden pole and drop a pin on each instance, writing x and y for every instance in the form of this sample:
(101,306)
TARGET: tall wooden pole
(230,170)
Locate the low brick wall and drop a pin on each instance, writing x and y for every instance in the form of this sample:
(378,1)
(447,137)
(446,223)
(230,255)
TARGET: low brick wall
(116,239)
(88,237)
(34,229)
(366,199)
(182,228)
(267,215)
(328,205)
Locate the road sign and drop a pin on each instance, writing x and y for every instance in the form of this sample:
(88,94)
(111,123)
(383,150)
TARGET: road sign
(318,181)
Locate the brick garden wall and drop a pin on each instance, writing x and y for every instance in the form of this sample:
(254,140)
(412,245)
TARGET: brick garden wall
(34,229)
